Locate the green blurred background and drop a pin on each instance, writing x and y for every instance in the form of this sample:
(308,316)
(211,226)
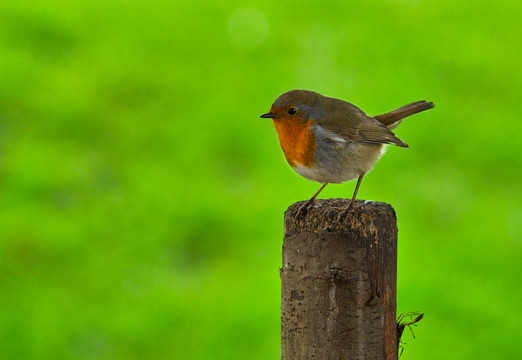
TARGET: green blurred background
(141,196)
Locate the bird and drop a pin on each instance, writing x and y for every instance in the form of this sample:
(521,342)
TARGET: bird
(328,140)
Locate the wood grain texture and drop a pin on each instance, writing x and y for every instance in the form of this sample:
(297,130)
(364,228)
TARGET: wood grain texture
(338,283)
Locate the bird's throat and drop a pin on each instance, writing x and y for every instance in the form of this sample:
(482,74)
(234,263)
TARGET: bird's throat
(297,141)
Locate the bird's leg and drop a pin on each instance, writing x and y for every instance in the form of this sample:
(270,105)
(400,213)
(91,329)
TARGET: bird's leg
(310,202)
(352,202)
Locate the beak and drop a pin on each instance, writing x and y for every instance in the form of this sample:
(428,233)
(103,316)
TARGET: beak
(268,115)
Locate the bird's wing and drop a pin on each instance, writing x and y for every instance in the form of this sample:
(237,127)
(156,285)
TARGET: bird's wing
(373,132)
(353,125)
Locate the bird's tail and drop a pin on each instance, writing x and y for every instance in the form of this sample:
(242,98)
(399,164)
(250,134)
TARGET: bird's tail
(393,118)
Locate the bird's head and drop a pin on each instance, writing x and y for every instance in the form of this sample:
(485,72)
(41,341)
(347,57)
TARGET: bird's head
(296,106)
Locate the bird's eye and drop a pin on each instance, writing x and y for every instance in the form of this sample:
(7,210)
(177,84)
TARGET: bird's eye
(292,111)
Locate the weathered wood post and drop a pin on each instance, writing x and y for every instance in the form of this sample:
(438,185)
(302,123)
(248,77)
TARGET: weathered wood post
(338,283)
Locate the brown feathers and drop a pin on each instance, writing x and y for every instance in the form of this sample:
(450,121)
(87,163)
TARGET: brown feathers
(392,119)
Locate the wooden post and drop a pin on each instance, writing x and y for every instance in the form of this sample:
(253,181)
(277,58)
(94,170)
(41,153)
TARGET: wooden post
(338,283)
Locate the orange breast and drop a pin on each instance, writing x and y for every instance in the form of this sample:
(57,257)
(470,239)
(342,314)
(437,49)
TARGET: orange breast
(297,141)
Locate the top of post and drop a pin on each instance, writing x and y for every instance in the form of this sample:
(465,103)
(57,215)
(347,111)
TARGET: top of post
(366,216)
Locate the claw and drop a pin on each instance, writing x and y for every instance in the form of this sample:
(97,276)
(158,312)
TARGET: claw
(310,202)
(351,206)
(304,208)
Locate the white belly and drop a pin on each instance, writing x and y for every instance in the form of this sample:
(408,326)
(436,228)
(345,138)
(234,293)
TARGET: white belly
(342,162)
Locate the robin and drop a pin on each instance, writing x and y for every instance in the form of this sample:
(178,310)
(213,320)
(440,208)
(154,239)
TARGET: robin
(329,140)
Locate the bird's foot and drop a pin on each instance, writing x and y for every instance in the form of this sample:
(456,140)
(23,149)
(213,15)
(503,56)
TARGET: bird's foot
(304,208)
(346,210)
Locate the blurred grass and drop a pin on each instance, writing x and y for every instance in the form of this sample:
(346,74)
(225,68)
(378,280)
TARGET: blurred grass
(141,197)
